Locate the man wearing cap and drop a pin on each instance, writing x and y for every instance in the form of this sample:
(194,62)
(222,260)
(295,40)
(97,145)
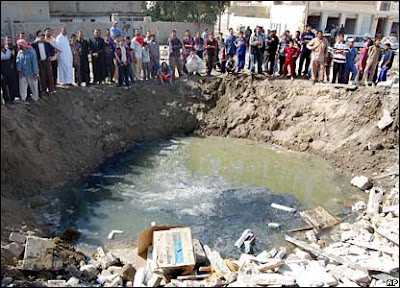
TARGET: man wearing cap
(386,63)
(305,55)
(44,52)
(28,70)
(114,30)
(65,61)
(350,66)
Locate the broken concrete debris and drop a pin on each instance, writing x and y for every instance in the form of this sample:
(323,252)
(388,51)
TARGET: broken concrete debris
(247,239)
(361,182)
(282,207)
(113,232)
(386,120)
(167,256)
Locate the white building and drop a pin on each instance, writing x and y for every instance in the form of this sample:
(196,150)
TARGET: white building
(377,18)
(242,14)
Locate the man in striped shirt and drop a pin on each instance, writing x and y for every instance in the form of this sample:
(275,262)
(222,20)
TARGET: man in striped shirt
(339,59)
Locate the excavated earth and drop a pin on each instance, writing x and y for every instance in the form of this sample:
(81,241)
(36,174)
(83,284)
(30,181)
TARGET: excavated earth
(61,138)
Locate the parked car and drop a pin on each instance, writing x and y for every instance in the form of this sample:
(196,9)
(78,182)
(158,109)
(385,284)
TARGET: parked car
(359,40)
(394,43)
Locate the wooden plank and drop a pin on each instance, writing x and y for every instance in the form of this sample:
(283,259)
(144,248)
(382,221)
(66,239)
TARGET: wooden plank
(299,229)
(218,264)
(205,269)
(319,217)
(386,233)
(271,265)
(374,247)
(284,208)
(318,252)
(386,175)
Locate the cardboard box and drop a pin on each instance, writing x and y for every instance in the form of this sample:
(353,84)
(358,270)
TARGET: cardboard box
(172,247)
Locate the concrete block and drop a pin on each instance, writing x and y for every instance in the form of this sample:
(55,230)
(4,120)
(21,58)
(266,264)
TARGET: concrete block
(15,249)
(386,120)
(38,254)
(361,182)
(73,281)
(17,237)
(89,271)
(127,273)
(302,255)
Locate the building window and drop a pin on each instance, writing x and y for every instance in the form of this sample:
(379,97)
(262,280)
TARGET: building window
(92,20)
(66,20)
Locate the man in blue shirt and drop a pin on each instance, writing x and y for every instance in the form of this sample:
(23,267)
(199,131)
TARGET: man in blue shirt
(241,50)
(350,66)
(386,63)
(28,70)
(114,30)
(305,55)
(230,43)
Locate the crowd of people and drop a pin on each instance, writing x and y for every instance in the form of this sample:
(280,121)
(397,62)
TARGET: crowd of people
(35,69)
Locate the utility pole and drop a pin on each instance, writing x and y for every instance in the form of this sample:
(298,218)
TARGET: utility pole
(220,15)
(306,11)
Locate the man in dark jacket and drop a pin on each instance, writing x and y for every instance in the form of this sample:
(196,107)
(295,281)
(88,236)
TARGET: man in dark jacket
(96,47)
(8,82)
(44,51)
(13,65)
(272,43)
(85,70)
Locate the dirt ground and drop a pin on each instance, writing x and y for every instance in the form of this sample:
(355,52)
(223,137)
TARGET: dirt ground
(61,138)
(329,121)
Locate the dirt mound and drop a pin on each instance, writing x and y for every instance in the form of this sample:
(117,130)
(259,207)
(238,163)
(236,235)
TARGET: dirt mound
(330,121)
(62,137)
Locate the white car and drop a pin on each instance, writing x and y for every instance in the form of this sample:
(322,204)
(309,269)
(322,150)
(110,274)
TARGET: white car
(394,43)
(359,40)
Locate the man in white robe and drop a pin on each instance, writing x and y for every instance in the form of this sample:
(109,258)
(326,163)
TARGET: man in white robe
(194,64)
(65,72)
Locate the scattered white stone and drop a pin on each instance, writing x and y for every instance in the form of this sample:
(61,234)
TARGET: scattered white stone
(89,271)
(386,120)
(6,281)
(274,225)
(113,232)
(14,248)
(358,206)
(17,237)
(347,235)
(303,255)
(361,182)
(387,83)
(56,283)
(345,226)
(73,281)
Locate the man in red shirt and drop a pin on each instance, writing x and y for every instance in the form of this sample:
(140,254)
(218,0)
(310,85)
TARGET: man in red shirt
(291,54)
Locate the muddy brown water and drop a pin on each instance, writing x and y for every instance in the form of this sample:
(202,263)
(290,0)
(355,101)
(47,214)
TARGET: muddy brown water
(217,186)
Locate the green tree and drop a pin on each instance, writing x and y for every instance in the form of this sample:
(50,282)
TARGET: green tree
(190,11)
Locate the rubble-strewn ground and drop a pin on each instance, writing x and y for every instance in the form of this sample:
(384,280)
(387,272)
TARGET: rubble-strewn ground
(45,144)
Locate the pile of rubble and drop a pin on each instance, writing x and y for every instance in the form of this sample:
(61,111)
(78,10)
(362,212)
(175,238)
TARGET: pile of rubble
(365,254)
